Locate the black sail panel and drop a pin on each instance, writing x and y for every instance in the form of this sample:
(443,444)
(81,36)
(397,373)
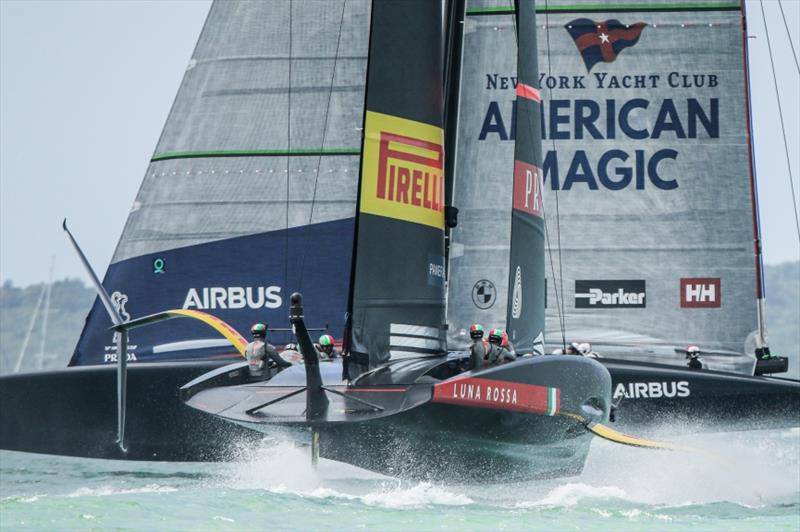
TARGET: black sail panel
(526,289)
(398,287)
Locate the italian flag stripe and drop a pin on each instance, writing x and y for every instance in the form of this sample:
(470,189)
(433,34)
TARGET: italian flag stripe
(552,401)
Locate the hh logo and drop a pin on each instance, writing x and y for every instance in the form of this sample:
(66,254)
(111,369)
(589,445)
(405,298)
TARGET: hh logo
(701,292)
(528,189)
(402,176)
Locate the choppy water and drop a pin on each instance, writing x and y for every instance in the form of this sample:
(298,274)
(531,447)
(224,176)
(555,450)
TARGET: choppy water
(751,481)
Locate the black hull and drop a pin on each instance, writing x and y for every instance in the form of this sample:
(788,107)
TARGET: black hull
(431,443)
(682,400)
(513,422)
(73,412)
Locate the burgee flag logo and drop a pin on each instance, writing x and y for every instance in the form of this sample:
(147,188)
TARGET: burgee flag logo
(603,41)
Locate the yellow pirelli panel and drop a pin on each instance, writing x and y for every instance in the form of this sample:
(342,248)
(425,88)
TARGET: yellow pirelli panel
(402,174)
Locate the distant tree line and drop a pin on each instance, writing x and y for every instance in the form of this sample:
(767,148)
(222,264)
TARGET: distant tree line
(71,299)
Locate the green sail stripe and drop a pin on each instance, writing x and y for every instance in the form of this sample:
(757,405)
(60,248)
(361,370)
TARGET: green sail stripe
(254,153)
(613,8)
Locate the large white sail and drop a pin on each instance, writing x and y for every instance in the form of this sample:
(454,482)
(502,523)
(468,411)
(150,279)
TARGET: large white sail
(648,191)
(251,192)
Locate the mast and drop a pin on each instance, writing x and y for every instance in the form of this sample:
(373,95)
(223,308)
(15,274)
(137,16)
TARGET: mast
(452,88)
(46,312)
(761,310)
(525,306)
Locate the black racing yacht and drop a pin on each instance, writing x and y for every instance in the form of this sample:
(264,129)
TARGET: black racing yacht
(256,189)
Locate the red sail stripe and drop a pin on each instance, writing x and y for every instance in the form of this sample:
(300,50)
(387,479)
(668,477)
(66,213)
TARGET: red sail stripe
(526,91)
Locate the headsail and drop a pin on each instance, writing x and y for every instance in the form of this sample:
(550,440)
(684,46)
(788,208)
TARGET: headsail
(646,146)
(398,288)
(251,192)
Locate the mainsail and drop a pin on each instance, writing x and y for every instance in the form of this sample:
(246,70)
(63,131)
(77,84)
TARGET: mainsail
(251,192)
(399,273)
(647,179)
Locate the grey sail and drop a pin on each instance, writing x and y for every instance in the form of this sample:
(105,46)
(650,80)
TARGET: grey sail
(251,192)
(648,187)
(479,251)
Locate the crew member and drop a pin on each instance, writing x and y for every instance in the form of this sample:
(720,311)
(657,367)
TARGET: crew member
(585,349)
(571,349)
(326,348)
(497,353)
(259,351)
(693,354)
(479,347)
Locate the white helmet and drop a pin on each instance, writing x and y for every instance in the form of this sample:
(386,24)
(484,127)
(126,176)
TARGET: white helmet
(692,351)
(584,348)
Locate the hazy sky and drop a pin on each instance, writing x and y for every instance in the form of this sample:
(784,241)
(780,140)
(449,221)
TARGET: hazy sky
(85,88)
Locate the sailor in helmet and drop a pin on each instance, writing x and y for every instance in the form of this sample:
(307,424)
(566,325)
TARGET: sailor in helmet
(479,347)
(571,349)
(693,354)
(259,352)
(498,354)
(585,349)
(326,349)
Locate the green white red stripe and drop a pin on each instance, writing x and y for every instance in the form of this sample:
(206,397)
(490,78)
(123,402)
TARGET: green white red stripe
(553,401)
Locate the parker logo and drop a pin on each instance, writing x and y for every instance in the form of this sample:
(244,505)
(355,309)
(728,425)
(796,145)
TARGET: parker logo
(402,175)
(610,294)
(602,41)
(701,292)
(233,297)
(652,390)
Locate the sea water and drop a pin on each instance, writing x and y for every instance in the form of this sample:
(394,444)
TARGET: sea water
(730,481)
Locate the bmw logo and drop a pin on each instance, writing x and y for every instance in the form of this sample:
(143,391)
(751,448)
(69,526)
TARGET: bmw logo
(484,294)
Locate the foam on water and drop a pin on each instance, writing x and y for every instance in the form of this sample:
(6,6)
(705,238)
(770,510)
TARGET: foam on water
(282,467)
(739,480)
(108,491)
(749,469)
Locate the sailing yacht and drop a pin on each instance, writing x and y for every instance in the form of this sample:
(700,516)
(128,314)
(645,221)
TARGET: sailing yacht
(253,192)
(649,190)
(407,407)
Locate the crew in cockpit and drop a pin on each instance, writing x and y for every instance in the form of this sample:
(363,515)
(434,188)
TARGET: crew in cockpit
(693,354)
(326,349)
(479,347)
(259,352)
(497,353)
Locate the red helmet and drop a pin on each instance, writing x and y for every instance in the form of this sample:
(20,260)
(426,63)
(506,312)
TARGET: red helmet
(476,331)
(326,340)
(499,337)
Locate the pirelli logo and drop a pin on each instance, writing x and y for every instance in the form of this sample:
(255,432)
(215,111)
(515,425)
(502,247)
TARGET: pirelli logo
(402,175)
